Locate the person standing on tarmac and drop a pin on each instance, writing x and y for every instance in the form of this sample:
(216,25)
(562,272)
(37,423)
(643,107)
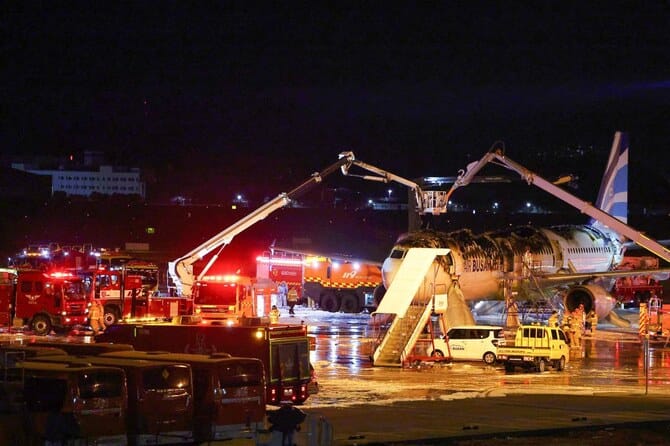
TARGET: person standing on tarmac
(567,328)
(274,315)
(292,299)
(96,315)
(576,329)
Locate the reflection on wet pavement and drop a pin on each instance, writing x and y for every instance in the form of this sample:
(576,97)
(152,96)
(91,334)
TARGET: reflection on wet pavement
(609,362)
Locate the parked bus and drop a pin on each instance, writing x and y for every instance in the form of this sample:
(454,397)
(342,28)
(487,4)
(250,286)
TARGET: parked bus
(283,349)
(160,398)
(229,393)
(71,404)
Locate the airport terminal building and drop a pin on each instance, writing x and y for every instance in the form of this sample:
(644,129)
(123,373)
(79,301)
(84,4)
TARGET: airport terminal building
(90,178)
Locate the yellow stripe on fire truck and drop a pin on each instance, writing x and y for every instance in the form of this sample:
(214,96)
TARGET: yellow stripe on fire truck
(330,284)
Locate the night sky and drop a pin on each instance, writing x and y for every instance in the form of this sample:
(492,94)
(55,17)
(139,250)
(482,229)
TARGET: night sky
(228,91)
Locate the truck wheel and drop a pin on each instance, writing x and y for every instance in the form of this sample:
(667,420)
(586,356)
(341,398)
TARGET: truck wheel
(560,365)
(111,316)
(489,358)
(509,367)
(541,366)
(41,325)
(330,303)
(350,304)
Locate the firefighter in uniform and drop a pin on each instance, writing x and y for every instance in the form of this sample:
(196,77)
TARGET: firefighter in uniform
(292,299)
(96,315)
(274,315)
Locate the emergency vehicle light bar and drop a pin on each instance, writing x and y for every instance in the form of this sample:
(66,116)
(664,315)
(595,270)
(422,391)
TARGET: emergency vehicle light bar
(61,275)
(233,278)
(279,261)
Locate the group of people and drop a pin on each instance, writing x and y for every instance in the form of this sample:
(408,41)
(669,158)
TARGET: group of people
(575,324)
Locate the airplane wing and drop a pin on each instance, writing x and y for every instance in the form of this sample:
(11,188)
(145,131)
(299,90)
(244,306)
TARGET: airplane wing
(557,279)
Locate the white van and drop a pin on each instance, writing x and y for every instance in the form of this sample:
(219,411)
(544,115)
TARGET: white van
(470,343)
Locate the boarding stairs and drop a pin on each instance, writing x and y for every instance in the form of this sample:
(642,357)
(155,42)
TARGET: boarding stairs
(400,338)
(409,298)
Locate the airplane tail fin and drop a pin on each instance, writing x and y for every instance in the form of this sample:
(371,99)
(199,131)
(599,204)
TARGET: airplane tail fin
(613,194)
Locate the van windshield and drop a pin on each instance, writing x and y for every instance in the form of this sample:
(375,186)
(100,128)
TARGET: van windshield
(240,374)
(169,377)
(101,384)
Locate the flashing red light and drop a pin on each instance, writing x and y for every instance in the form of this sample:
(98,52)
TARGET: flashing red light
(279,261)
(61,275)
(222,278)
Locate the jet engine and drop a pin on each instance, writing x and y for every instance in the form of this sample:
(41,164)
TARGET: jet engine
(596,298)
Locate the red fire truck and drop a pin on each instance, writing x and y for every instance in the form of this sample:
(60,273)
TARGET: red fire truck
(631,291)
(130,291)
(331,284)
(42,300)
(231,296)
(283,349)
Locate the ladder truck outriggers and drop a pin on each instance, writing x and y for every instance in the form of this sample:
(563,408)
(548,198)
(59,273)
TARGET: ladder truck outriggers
(181,270)
(417,295)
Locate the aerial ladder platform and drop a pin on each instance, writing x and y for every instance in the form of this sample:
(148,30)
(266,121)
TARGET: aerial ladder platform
(410,299)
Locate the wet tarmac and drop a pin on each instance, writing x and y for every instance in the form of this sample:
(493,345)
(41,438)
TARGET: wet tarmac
(604,396)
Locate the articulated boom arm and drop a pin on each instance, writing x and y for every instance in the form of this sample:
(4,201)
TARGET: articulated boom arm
(181,270)
(434,202)
(464,178)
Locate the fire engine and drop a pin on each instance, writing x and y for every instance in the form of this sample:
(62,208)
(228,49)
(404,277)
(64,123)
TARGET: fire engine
(130,291)
(330,284)
(230,296)
(631,291)
(42,300)
(283,349)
